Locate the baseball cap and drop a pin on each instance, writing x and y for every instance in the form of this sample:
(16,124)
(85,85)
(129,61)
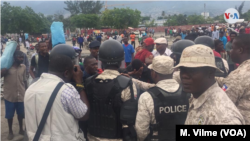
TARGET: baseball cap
(197,56)
(148,41)
(161,41)
(162,65)
(94,44)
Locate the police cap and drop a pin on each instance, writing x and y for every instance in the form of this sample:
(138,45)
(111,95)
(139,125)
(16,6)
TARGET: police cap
(94,44)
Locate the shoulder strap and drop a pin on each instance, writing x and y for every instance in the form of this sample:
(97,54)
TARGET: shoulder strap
(36,59)
(155,92)
(47,111)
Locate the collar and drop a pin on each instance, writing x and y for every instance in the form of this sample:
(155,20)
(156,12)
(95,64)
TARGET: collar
(85,74)
(51,76)
(126,45)
(196,103)
(170,82)
(45,55)
(167,52)
(21,65)
(108,74)
(247,62)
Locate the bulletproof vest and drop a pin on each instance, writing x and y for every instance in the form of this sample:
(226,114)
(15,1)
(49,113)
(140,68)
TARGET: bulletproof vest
(219,64)
(105,101)
(170,110)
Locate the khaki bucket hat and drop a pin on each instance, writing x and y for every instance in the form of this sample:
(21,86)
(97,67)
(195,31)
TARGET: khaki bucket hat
(197,56)
(162,65)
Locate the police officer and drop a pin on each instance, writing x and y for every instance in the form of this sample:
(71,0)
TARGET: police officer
(209,104)
(158,110)
(177,49)
(105,99)
(236,84)
(94,50)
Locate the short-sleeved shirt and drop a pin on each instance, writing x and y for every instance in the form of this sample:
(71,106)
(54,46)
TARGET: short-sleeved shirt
(43,64)
(167,52)
(129,50)
(170,31)
(142,55)
(14,86)
(132,37)
(224,40)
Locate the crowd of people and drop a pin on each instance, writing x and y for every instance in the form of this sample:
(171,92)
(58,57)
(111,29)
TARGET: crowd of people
(199,80)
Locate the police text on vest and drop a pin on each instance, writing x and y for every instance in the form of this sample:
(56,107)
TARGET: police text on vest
(173,109)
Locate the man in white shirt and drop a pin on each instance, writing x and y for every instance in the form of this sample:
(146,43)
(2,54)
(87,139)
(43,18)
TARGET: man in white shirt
(20,40)
(215,34)
(161,47)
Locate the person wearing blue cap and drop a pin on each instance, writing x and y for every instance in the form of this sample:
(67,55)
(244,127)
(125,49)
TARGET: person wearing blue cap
(94,50)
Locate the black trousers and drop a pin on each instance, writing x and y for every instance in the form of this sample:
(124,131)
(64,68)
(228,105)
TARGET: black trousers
(81,45)
(133,43)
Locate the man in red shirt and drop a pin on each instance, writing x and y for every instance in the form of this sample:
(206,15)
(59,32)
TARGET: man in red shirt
(247,30)
(145,54)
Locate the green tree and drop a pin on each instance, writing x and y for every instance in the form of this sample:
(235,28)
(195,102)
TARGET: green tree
(144,18)
(163,13)
(239,9)
(195,19)
(86,21)
(246,16)
(176,20)
(83,7)
(151,23)
(220,18)
(14,19)
(121,18)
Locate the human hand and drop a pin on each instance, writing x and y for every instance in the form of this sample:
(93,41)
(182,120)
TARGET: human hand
(125,74)
(77,74)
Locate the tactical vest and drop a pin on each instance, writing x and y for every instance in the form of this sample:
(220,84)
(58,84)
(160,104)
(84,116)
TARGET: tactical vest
(105,102)
(219,64)
(170,110)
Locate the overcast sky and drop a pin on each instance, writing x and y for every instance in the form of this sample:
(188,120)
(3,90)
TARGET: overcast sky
(147,8)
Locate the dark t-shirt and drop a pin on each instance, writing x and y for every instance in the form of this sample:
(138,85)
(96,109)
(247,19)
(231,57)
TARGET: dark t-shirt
(43,64)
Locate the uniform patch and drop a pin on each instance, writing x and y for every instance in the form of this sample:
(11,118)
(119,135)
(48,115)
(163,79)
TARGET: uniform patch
(200,120)
(224,88)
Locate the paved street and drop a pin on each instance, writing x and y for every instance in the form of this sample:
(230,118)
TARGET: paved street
(4,124)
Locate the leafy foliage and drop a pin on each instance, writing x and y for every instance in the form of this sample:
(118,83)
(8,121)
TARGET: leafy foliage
(121,18)
(83,7)
(86,20)
(240,8)
(151,24)
(14,19)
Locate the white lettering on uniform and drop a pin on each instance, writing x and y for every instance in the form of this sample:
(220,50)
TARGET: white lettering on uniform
(173,109)
(161,109)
